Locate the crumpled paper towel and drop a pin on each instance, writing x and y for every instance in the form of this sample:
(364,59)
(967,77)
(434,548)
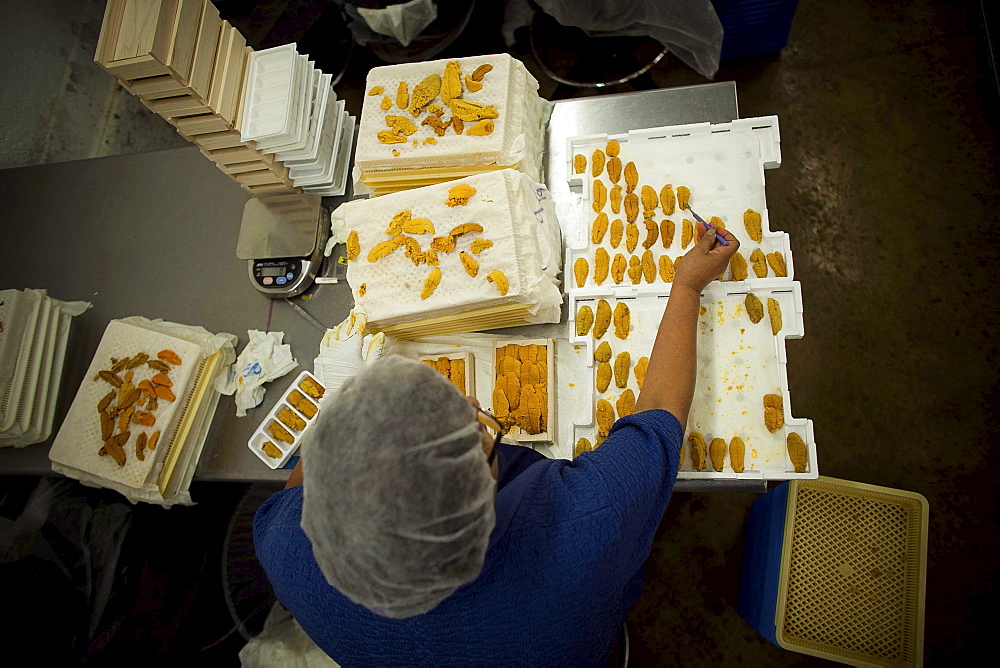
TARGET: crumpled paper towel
(404,21)
(338,231)
(264,359)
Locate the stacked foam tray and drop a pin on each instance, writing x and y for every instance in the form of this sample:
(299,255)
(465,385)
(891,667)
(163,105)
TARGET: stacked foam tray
(140,418)
(291,112)
(739,360)
(429,122)
(34,329)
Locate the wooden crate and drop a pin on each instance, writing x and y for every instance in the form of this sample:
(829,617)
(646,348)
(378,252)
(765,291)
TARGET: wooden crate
(229,73)
(150,38)
(205,51)
(239,154)
(177,107)
(201,124)
(154,88)
(189,66)
(516,432)
(467,388)
(271,189)
(243,167)
(211,141)
(263,177)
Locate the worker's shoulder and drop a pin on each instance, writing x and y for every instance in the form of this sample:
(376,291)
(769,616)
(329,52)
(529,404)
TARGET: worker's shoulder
(282,510)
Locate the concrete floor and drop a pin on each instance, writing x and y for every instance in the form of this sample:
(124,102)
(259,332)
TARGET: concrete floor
(889,188)
(56,103)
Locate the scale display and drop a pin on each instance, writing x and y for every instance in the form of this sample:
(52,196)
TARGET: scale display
(279,274)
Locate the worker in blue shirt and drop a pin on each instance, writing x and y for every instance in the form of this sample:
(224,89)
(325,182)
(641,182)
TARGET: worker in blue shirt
(409,535)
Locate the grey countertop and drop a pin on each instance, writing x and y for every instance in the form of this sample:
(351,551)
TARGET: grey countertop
(154,234)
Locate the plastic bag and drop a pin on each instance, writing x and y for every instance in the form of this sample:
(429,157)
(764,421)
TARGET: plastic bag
(73,538)
(688,28)
(283,643)
(404,21)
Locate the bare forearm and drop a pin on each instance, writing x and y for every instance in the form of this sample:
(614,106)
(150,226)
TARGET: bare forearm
(296,477)
(670,376)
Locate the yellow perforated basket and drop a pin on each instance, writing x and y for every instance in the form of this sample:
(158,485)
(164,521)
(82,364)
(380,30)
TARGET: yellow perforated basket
(852,573)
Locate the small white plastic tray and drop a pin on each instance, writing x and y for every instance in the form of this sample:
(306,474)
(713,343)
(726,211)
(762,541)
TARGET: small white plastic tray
(55,377)
(323,99)
(30,426)
(274,82)
(326,131)
(343,159)
(302,103)
(321,171)
(39,362)
(256,442)
(339,162)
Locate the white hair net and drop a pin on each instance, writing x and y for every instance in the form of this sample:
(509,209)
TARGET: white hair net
(398,497)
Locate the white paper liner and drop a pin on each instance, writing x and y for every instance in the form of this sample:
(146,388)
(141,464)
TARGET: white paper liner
(209,344)
(516,215)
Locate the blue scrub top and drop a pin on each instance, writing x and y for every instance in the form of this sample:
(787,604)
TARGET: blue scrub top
(562,571)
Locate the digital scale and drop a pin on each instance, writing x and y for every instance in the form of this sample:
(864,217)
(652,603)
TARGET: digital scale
(282,239)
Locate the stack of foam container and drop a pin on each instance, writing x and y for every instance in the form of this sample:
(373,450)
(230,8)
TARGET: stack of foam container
(34,330)
(291,112)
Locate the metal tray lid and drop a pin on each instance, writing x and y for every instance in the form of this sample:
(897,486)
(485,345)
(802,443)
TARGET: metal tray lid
(280,226)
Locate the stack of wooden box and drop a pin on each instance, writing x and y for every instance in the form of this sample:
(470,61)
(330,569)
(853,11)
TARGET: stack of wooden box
(189,66)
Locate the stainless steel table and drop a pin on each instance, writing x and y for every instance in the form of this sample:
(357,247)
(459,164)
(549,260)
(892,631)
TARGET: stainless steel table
(154,234)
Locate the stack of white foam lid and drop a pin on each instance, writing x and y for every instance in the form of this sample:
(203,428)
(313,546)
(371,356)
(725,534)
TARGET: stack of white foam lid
(34,329)
(739,361)
(291,110)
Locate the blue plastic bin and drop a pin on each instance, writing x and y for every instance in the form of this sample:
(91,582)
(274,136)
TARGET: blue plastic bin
(762,562)
(754,27)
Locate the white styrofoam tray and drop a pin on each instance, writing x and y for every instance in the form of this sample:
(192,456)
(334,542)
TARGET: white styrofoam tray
(39,362)
(343,156)
(55,378)
(31,412)
(38,391)
(340,160)
(303,102)
(323,99)
(275,78)
(723,165)
(256,442)
(36,364)
(738,363)
(321,170)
